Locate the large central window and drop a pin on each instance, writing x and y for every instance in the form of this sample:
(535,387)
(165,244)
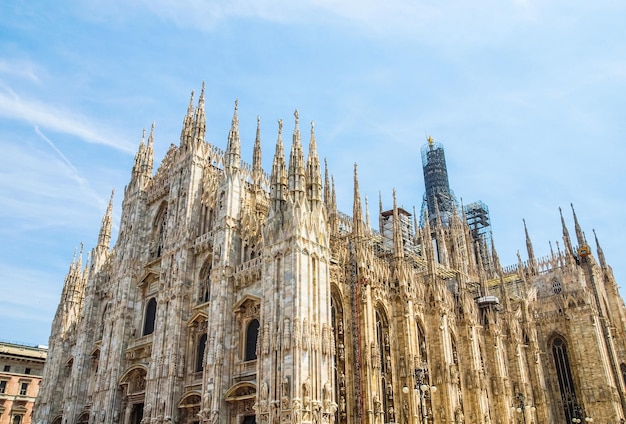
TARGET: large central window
(564,374)
(148,324)
(252,334)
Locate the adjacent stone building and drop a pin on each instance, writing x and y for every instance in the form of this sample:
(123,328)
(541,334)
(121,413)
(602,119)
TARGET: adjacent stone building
(236,297)
(21,368)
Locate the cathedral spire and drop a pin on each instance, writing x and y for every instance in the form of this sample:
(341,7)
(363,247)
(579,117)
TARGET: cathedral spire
(368,224)
(333,195)
(104,238)
(601,257)
(569,251)
(520,266)
(427,244)
(139,155)
(498,268)
(187,130)
(529,249)
(326,187)
(357,212)
(297,184)
(380,212)
(442,249)
(199,123)
(278,179)
(72,295)
(496,258)
(144,159)
(484,288)
(232,156)
(333,206)
(580,236)
(148,161)
(314,175)
(257,167)
(398,245)
(438,222)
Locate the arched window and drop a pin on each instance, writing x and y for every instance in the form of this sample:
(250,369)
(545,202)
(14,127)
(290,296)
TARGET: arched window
(158,231)
(17,419)
(204,294)
(421,343)
(100,328)
(622,368)
(339,359)
(564,374)
(200,353)
(252,334)
(148,323)
(556,286)
(384,363)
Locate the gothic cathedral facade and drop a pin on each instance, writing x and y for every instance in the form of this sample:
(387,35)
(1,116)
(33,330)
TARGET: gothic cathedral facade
(236,297)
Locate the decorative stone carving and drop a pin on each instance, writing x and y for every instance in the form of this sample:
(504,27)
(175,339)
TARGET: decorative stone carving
(287,334)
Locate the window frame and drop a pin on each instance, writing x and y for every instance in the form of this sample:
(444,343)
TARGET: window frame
(149,317)
(248,354)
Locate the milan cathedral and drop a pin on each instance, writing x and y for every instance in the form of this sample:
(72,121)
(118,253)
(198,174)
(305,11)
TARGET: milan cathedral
(236,297)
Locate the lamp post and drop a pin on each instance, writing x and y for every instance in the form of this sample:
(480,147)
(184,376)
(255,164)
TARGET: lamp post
(422,387)
(520,406)
(579,416)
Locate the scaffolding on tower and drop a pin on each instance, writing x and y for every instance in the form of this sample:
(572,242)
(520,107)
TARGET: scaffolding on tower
(438,195)
(477,215)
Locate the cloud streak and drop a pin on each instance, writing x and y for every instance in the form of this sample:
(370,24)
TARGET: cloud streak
(35,112)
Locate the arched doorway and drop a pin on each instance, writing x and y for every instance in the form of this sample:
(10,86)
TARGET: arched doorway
(133,384)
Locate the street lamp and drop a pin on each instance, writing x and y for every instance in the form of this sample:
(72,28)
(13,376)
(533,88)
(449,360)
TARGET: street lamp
(422,387)
(579,414)
(520,407)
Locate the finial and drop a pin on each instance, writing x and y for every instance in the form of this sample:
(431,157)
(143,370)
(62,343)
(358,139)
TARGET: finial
(143,135)
(258,121)
(297,116)
(235,122)
(151,136)
(190,107)
(201,98)
(280,126)
(430,141)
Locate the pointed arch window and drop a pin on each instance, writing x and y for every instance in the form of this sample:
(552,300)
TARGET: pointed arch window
(158,231)
(382,361)
(200,349)
(252,335)
(564,375)
(150,317)
(100,328)
(204,294)
(421,344)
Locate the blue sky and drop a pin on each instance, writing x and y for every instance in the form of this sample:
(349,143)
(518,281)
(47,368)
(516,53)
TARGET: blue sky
(528,98)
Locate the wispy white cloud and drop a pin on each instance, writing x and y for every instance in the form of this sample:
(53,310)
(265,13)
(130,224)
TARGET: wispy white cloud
(38,190)
(448,21)
(39,113)
(21,68)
